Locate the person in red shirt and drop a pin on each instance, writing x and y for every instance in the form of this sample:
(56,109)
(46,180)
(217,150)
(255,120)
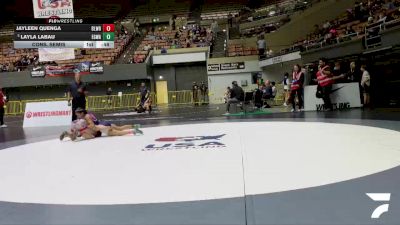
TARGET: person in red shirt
(325,80)
(3,101)
(297,87)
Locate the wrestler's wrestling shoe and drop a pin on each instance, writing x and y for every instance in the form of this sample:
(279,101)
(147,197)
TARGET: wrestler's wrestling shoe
(63,135)
(136,129)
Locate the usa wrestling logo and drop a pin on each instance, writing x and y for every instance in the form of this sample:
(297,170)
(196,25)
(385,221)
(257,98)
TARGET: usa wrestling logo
(187,143)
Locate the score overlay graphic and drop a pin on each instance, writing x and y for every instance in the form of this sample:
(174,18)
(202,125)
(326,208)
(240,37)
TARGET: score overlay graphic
(64,33)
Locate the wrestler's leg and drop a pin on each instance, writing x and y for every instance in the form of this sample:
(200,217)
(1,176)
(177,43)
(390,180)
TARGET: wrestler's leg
(124,127)
(72,135)
(135,128)
(113,132)
(87,134)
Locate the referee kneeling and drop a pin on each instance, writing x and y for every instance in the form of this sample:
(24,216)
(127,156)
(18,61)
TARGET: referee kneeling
(77,90)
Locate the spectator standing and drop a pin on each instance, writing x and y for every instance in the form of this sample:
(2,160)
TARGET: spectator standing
(366,85)
(214,28)
(266,93)
(274,90)
(297,87)
(174,22)
(286,88)
(109,98)
(77,91)
(230,20)
(204,92)
(144,93)
(337,71)
(3,101)
(137,28)
(171,22)
(227,94)
(325,80)
(261,45)
(352,75)
(195,90)
(357,11)
(258,100)
(237,95)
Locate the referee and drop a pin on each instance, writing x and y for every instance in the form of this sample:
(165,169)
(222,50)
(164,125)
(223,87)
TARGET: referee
(77,90)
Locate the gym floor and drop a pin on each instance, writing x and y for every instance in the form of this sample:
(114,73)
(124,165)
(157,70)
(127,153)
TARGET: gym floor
(195,166)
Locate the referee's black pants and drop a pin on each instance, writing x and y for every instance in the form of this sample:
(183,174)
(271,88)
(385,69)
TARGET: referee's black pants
(326,92)
(1,115)
(77,103)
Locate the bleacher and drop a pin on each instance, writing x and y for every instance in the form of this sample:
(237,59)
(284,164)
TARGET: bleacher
(166,40)
(162,11)
(219,9)
(271,17)
(279,8)
(7,29)
(108,56)
(241,50)
(10,56)
(338,33)
(102,10)
(340,25)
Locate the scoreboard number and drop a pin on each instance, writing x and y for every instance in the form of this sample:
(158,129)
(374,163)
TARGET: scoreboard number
(108,28)
(108,36)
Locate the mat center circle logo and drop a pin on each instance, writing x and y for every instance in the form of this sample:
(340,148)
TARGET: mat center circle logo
(188,142)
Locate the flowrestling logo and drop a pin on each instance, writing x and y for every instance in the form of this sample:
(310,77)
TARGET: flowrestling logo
(186,143)
(384,198)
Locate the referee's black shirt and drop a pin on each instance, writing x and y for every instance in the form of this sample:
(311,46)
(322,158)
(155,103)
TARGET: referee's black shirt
(74,90)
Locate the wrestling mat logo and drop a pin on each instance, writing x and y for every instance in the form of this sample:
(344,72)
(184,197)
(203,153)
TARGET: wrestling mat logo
(183,143)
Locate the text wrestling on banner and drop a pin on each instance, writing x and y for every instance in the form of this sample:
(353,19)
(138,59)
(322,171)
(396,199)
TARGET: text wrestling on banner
(343,96)
(54,8)
(47,114)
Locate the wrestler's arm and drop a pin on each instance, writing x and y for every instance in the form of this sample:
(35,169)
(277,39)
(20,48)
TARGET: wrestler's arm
(86,134)
(90,123)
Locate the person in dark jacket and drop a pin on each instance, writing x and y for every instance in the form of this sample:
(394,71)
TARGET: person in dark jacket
(204,93)
(195,91)
(237,96)
(353,74)
(77,91)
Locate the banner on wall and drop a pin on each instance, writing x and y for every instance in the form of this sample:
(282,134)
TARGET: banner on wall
(226,66)
(55,54)
(38,71)
(213,67)
(343,96)
(46,114)
(68,70)
(53,8)
(233,66)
